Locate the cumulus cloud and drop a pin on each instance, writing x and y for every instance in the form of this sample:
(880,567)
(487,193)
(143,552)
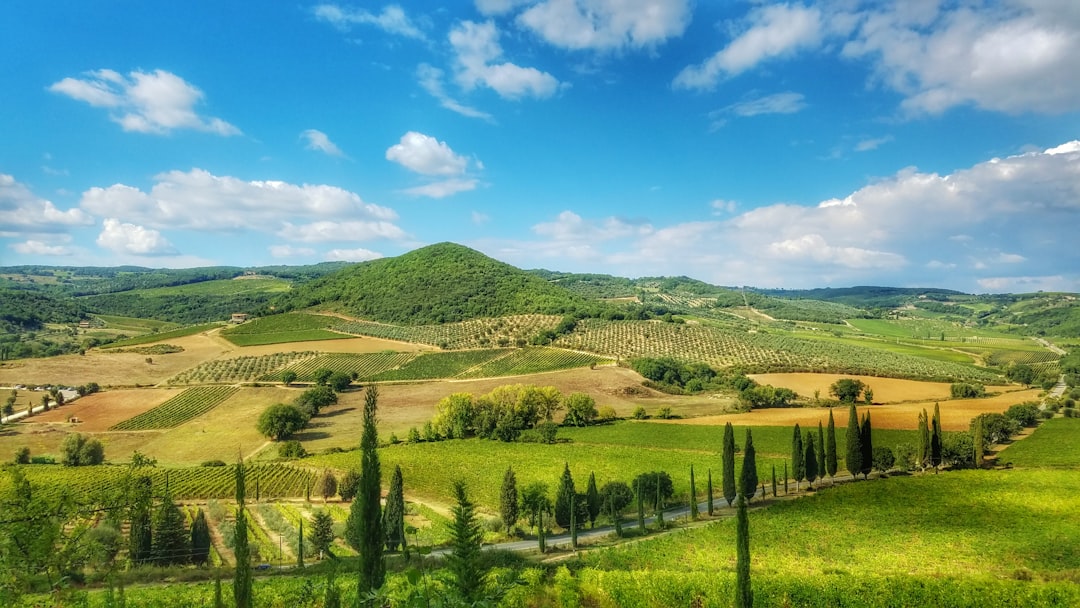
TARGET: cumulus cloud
(352,255)
(317,232)
(35,247)
(199,200)
(319,141)
(444,188)
(289,251)
(391,20)
(157,102)
(772,31)
(22,211)
(426,155)
(602,24)
(569,226)
(121,237)
(431,80)
(477,54)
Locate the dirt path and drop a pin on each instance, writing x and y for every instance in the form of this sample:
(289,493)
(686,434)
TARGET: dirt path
(218,541)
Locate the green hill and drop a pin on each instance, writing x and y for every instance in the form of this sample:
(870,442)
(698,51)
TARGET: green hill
(441,283)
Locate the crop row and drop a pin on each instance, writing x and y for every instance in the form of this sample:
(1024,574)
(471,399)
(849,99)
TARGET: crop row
(238,369)
(165,335)
(363,365)
(755,351)
(430,366)
(183,407)
(1005,357)
(274,324)
(534,361)
(475,333)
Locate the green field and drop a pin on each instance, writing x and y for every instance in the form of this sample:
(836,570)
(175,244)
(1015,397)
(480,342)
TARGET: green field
(135,324)
(239,369)
(278,329)
(187,405)
(1055,445)
(223,287)
(363,365)
(165,335)
(430,366)
(534,361)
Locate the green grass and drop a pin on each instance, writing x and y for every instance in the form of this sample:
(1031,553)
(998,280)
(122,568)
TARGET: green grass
(165,335)
(188,405)
(363,365)
(223,287)
(135,324)
(1055,444)
(278,329)
(430,366)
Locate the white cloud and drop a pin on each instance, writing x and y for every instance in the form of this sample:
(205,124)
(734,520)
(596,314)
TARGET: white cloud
(444,188)
(317,140)
(606,24)
(125,238)
(352,255)
(392,19)
(1015,56)
(431,80)
(498,7)
(773,31)
(1027,284)
(35,247)
(1010,258)
(480,218)
(779,103)
(570,226)
(426,155)
(874,143)
(477,50)
(317,232)
(22,211)
(200,200)
(814,248)
(157,102)
(721,206)
(288,251)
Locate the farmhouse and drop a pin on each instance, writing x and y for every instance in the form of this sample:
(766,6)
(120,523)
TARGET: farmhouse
(238,317)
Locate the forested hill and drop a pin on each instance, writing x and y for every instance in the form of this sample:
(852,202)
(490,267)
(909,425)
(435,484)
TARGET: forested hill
(440,283)
(864,296)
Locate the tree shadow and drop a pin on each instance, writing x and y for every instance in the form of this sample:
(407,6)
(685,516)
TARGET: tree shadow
(310,435)
(336,412)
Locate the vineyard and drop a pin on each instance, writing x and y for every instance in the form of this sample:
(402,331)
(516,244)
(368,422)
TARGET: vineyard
(165,335)
(239,369)
(756,352)
(441,365)
(276,329)
(363,365)
(1003,358)
(534,361)
(476,333)
(178,410)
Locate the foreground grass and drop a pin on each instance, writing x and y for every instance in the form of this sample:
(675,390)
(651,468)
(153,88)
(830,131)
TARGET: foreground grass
(1055,445)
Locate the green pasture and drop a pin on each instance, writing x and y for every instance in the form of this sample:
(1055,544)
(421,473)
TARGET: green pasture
(165,335)
(278,329)
(223,287)
(135,324)
(1055,445)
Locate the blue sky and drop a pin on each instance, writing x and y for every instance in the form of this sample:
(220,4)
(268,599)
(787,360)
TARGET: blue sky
(742,143)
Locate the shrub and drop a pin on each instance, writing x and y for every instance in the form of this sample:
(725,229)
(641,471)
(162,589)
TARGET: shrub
(212,463)
(1025,414)
(967,390)
(904,457)
(544,432)
(996,428)
(665,413)
(45,459)
(883,459)
(22,455)
(606,413)
(639,413)
(291,449)
(958,450)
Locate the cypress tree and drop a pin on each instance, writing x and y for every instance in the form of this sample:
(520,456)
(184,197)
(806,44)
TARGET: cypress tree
(935,439)
(140,537)
(693,495)
(830,447)
(170,538)
(640,509)
(923,455)
(867,445)
(810,458)
(464,561)
(540,539)
(748,477)
(592,499)
(573,521)
(744,594)
(709,491)
(200,538)
(798,457)
(659,507)
(979,441)
(774,480)
(394,515)
(564,498)
(219,602)
(728,469)
(819,445)
(853,459)
(241,551)
(508,500)
(365,524)
(616,517)
(785,478)
(300,547)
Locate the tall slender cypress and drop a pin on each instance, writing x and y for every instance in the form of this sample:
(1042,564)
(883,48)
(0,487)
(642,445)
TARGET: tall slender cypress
(935,439)
(979,441)
(923,453)
(640,509)
(659,507)
(748,477)
(819,445)
(774,480)
(744,594)
(616,517)
(300,547)
(592,500)
(394,514)
(709,492)
(366,511)
(798,456)
(867,444)
(241,551)
(573,521)
(140,538)
(508,500)
(853,458)
(728,470)
(693,495)
(830,447)
(810,459)
(785,478)
(540,535)
(564,498)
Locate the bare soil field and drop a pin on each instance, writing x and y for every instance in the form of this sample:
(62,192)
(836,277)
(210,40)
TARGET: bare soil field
(100,411)
(956,414)
(886,390)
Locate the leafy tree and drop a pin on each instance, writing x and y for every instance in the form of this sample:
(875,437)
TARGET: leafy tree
(394,515)
(883,459)
(322,531)
(508,500)
(564,498)
(996,428)
(281,421)
(616,496)
(866,445)
(79,450)
(830,447)
(798,457)
(819,446)
(580,409)
(322,375)
(339,381)
(170,539)
(853,459)
(314,399)
(655,487)
(748,477)
(592,500)
(810,459)
(868,396)
(1025,414)
(935,438)
(535,502)
(328,485)
(365,515)
(140,535)
(288,377)
(1021,373)
(199,539)
(349,485)
(454,416)
(464,561)
(693,495)
(728,462)
(242,596)
(22,455)
(847,390)
(744,594)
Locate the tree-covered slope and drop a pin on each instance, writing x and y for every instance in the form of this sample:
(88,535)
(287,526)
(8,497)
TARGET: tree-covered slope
(440,283)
